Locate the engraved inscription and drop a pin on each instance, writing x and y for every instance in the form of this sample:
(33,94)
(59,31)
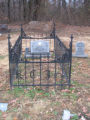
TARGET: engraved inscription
(39,47)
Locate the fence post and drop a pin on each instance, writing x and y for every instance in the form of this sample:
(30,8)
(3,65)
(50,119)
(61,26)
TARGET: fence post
(21,38)
(21,30)
(9,56)
(70,52)
(54,35)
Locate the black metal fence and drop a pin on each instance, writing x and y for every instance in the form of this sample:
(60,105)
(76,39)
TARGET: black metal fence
(52,69)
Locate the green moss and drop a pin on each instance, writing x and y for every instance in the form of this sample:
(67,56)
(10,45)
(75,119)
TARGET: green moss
(2,57)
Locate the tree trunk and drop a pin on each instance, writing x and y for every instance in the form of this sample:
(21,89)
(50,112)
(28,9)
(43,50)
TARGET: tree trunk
(87,11)
(9,17)
(24,9)
(20,10)
(65,13)
(37,4)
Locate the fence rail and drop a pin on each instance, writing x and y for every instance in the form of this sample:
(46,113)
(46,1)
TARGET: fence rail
(53,70)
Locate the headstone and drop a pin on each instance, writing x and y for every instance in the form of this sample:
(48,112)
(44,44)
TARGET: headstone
(3,107)
(27,54)
(80,50)
(0,34)
(4,28)
(40,47)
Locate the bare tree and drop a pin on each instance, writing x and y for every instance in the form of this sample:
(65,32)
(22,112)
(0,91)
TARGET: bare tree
(71,12)
(64,12)
(87,10)
(24,9)
(9,10)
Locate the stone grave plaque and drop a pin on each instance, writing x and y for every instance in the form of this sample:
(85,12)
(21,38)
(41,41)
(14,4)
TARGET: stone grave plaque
(80,50)
(40,47)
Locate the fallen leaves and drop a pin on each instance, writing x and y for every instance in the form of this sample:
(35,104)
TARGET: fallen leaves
(88,114)
(88,99)
(84,109)
(15,118)
(65,90)
(13,101)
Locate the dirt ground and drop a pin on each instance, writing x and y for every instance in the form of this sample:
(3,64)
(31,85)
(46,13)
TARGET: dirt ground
(37,104)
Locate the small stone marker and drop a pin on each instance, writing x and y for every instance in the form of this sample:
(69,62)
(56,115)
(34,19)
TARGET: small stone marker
(3,107)
(80,50)
(40,47)
(0,34)
(3,28)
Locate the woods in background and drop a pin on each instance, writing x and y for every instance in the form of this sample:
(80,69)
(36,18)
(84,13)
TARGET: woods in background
(67,11)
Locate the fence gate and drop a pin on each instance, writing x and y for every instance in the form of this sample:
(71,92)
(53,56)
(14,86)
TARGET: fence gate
(39,59)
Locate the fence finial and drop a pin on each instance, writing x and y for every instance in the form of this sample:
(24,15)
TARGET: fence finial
(9,36)
(21,29)
(71,36)
(54,29)
(21,25)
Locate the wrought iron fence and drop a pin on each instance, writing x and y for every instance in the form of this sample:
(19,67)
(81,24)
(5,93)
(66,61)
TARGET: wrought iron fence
(47,69)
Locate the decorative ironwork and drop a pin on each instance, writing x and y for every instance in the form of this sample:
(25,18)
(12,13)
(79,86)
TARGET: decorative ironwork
(53,69)
(32,74)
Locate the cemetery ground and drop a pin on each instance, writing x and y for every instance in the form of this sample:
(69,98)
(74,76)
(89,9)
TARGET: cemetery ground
(42,104)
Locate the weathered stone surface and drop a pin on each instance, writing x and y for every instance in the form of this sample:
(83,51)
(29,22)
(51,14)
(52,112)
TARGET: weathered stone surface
(80,50)
(39,47)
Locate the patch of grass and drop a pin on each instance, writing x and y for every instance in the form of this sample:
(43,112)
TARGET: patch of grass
(86,75)
(74,66)
(88,60)
(31,93)
(17,92)
(75,117)
(15,109)
(74,96)
(46,94)
(55,113)
(53,93)
(71,89)
(12,110)
(87,86)
(26,115)
(72,70)
(77,84)
(53,54)
(0,113)
(71,95)
(37,92)
(55,103)
(20,82)
(43,93)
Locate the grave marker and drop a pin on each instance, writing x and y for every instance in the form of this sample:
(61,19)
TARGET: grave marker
(40,47)
(3,28)
(80,50)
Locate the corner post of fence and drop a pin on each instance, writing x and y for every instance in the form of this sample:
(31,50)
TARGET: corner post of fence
(9,56)
(21,35)
(9,46)
(21,30)
(54,35)
(70,52)
(54,29)
(9,41)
